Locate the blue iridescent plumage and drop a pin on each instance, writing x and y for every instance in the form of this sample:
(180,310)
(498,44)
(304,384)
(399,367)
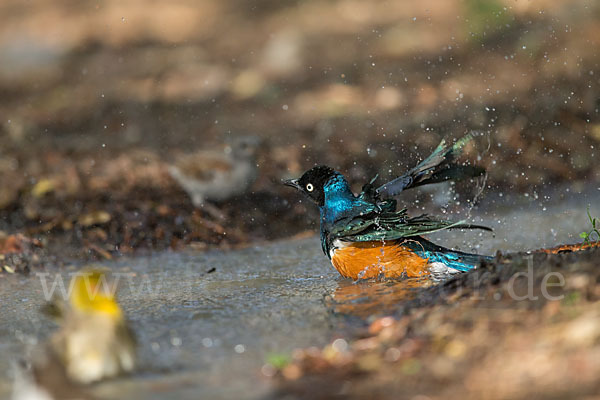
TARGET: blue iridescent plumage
(341,207)
(348,217)
(372,217)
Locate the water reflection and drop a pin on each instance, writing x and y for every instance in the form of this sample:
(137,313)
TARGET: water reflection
(366,298)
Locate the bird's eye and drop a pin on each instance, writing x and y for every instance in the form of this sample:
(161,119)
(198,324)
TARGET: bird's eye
(309,187)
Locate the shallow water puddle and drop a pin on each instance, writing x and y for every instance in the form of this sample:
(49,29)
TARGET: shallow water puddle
(211,332)
(196,329)
(372,298)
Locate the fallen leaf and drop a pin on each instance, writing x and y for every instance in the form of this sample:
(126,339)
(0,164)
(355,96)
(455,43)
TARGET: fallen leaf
(42,187)
(11,244)
(100,251)
(94,218)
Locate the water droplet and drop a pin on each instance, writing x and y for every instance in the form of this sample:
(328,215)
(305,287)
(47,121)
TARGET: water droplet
(239,348)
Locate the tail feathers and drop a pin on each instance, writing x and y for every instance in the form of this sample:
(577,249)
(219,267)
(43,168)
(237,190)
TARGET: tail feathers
(451,258)
(458,261)
(438,167)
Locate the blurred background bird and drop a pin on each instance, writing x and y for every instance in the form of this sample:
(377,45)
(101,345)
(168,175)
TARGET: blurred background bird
(94,341)
(216,176)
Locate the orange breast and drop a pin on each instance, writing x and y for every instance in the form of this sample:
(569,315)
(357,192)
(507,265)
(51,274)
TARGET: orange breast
(362,260)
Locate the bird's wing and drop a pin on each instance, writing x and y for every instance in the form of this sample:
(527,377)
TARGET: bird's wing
(202,166)
(369,195)
(438,167)
(391,226)
(359,224)
(55,309)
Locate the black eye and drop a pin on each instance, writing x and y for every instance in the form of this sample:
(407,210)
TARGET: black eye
(309,187)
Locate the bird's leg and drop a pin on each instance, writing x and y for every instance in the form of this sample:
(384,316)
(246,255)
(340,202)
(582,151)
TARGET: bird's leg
(213,211)
(199,202)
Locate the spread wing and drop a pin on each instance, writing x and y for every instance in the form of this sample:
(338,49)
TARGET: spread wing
(359,225)
(440,166)
(393,225)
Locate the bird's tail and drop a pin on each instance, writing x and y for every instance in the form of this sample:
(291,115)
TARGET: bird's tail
(440,166)
(457,260)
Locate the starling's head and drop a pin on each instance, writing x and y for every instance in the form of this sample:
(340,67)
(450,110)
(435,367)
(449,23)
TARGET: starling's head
(313,182)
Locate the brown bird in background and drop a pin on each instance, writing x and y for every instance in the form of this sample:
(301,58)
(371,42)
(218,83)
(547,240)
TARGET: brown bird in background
(216,176)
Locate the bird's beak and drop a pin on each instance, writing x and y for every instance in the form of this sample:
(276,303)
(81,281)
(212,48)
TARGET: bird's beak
(293,183)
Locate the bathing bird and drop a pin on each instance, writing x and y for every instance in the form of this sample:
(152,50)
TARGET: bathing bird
(94,341)
(364,235)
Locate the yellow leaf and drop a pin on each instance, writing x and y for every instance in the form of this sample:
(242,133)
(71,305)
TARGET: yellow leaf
(595,131)
(94,218)
(42,187)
